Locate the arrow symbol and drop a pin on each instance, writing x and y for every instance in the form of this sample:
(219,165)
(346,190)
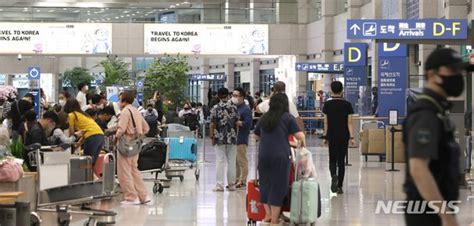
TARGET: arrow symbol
(354,28)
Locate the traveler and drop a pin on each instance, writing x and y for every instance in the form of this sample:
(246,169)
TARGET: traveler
(16,115)
(214,100)
(35,131)
(130,125)
(274,154)
(158,105)
(338,132)
(82,94)
(223,134)
(280,87)
(186,110)
(29,97)
(244,125)
(104,116)
(81,121)
(63,96)
(432,173)
(57,135)
(97,103)
(44,100)
(151,117)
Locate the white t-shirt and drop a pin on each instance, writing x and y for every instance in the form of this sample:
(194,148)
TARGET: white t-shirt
(265,106)
(81,97)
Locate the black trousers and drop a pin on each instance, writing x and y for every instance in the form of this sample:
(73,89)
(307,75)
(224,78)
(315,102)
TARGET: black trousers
(422,219)
(337,157)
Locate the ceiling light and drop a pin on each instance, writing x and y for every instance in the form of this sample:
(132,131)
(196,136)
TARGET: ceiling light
(128,15)
(185,2)
(126,11)
(108,18)
(38,10)
(172,6)
(122,16)
(177,4)
(133,14)
(117,17)
(64,9)
(138,11)
(51,11)
(77,11)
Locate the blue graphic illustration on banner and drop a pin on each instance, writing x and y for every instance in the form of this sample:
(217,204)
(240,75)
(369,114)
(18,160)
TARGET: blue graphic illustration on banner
(392,84)
(407,29)
(34,73)
(208,77)
(393,50)
(354,77)
(355,54)
(330,68)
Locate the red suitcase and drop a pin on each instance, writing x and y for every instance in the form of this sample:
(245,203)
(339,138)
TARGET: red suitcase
(255,209)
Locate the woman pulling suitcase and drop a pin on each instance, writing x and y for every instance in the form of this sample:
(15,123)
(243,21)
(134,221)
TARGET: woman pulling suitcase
(274,161)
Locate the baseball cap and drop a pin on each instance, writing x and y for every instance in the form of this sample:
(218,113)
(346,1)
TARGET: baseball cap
(446,57)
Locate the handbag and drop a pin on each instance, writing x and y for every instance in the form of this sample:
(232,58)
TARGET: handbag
(10,171)
(132,147)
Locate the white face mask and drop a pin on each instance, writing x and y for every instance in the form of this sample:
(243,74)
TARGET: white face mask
(62,103)
(235,100)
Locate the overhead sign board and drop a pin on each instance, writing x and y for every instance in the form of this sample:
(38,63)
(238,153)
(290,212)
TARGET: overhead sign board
(355,54)
(208,77)
(55,38)
(407,29)
(330,68)
(212,39)
(34,73)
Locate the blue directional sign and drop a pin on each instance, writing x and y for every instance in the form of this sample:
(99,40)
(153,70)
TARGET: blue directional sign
(140,97)
(34,73)
(140,84)
(393,50)
(355,54)
(407,29)
(330,68)
(208,77)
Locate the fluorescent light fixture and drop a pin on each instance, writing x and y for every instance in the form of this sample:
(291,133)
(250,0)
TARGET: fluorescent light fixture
(177,4)
(185,2)
(126,11)
(128,15)
(77,11)
(38,10)
(51,11)
(90,4)
(117,17)
(64,9)
(172,6)
(122,16)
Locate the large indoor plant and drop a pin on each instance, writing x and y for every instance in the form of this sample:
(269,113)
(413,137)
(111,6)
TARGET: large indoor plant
(76,76)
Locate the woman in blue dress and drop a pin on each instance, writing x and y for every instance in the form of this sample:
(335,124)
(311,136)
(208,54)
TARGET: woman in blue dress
(274,162)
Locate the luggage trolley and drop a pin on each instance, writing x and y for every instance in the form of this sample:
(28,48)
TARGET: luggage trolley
(55,194)
(182,152)
(159,184)
(371,124)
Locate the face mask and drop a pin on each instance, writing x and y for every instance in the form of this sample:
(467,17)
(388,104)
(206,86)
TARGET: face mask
(235,100)
(100,106)
(62,103)
(453,85)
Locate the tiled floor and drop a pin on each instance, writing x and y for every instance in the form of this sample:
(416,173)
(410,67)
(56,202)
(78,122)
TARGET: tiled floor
(193,203)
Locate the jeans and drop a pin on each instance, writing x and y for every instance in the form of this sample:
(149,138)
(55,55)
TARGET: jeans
(242,163)
(93,145)
(337,159)
(225,154)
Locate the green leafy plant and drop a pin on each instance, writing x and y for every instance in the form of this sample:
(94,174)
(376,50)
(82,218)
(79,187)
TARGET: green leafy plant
(16,148)
(76,76)
(168,76)
(116,73)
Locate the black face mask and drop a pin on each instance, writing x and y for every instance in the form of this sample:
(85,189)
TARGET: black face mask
(453,85)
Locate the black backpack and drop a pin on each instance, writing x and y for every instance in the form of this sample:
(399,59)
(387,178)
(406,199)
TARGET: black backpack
(192,121)
(152,156)
(152,121)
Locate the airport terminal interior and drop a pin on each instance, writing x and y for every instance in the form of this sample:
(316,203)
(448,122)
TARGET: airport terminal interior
(82,82)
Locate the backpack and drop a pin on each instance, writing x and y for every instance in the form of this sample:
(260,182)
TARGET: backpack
(152,121)
(192,121)
(152,156)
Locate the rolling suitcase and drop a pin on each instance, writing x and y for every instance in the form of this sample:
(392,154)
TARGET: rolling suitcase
(305,199)
(80,169)
(183,148)
(255,209)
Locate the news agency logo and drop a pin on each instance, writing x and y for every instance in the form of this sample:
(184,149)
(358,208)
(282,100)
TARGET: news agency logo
(418,207)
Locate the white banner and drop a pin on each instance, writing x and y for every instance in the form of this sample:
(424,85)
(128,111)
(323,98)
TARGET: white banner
(213,39)
(55,38)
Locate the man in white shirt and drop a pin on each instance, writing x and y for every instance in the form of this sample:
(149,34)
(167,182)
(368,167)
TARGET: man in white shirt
(81,96)
(280,87)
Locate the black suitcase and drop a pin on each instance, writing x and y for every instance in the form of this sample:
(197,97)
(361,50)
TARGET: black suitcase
(81,169)
(152,156)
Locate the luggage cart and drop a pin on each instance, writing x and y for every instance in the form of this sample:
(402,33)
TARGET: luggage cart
(55,194)
(371,124)
(177,167)
(159,184)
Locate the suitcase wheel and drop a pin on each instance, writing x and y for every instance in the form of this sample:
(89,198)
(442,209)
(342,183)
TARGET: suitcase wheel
(158,188)
(181,178)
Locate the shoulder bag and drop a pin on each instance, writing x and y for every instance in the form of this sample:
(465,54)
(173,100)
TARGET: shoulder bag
(132,147)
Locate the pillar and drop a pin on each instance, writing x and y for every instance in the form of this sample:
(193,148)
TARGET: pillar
(428,9)
(229,68)
(255,75)
(204,88)
(327,54)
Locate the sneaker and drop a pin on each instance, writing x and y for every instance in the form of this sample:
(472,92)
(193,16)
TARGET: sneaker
(231,188)
(241,186)
(130,202)
(147,201)
(334,186)
(340,191)
(218,189)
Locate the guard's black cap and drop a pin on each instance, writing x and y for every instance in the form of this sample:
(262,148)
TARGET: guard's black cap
(446,57)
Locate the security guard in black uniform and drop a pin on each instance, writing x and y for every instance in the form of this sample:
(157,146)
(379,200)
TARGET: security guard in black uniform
(432,152)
